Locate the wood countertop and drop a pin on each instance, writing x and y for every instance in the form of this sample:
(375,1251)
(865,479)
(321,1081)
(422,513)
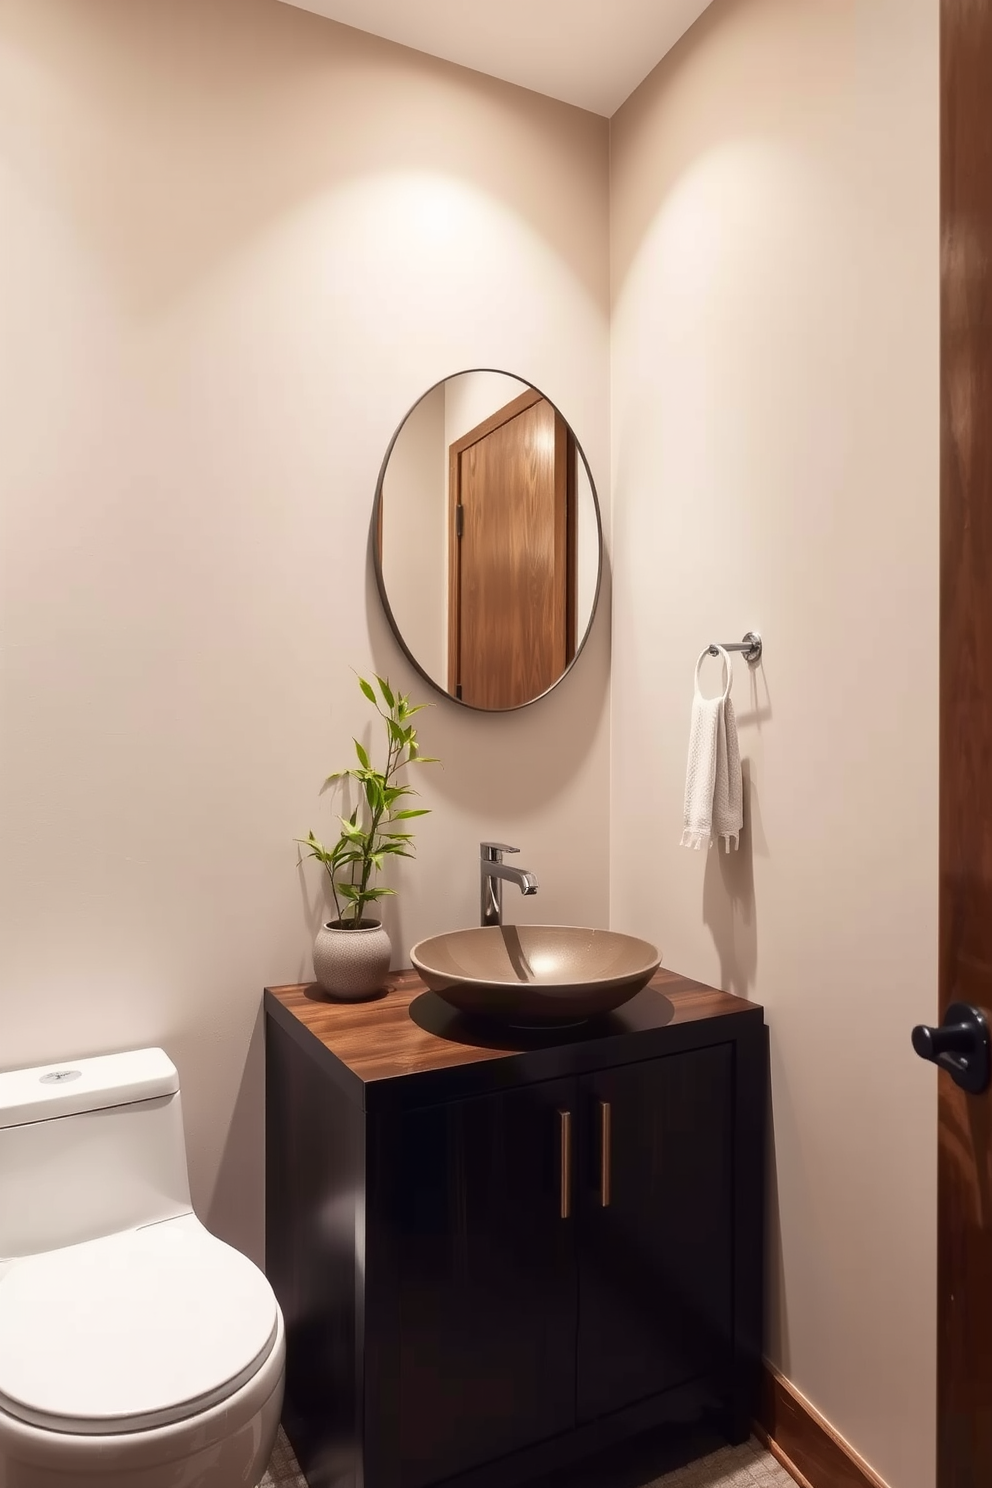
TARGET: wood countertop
(408,1047)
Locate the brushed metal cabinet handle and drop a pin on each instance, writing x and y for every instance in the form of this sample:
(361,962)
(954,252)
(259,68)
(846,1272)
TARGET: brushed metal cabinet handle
(605,1159)
(565,1133)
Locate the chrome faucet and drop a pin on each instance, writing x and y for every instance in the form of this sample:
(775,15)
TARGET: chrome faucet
(494,871)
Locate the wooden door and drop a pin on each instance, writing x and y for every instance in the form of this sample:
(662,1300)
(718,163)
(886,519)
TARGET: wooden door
(478,1281)
(964,1411)
(656,1227)
(512,556)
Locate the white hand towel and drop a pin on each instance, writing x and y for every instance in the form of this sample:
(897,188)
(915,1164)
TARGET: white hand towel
(713,788)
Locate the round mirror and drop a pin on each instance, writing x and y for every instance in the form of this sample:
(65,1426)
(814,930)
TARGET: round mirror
(487,540)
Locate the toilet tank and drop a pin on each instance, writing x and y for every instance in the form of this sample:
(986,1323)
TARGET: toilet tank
(89,1147)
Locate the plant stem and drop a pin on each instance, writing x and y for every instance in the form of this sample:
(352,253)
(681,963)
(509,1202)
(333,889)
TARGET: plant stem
(392,755)
(334,891)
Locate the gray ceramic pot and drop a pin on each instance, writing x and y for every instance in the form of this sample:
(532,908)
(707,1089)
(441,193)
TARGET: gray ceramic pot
(351,964)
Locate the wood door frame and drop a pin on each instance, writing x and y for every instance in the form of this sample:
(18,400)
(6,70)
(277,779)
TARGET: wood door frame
(964,1201)
(566,534)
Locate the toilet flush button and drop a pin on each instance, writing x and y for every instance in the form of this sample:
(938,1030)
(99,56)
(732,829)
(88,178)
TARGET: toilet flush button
(60,1077)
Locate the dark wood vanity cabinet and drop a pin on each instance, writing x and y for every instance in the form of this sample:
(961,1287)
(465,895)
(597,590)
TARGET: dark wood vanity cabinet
(494,1258)
(478,1270)
(655,1282)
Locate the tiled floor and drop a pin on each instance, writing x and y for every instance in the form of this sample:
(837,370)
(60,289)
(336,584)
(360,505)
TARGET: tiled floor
(283,1470)
(730,1467)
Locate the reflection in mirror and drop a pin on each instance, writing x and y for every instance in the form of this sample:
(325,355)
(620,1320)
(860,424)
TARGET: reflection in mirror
(487,540)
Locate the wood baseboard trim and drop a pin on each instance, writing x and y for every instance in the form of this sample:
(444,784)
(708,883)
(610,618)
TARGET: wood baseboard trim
(806,1445)
(781,1458)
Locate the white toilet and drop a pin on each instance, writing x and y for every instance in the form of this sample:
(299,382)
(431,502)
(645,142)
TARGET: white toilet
(136,1349)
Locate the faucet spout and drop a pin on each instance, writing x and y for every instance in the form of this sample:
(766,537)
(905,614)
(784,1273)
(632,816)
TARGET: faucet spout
(494,872)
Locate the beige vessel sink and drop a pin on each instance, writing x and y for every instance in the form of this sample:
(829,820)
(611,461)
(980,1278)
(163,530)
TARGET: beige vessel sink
(534,974)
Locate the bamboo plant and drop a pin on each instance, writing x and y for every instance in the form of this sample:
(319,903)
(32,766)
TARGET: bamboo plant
(370,835)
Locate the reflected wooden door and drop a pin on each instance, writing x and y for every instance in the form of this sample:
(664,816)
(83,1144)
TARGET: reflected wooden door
(964,1407)
(512,546)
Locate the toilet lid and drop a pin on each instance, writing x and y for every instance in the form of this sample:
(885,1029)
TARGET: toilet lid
(131,1331)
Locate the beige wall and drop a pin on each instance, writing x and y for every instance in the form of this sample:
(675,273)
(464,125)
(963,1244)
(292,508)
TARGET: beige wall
(775,436)
(414,527)
(238,242)
(471,399)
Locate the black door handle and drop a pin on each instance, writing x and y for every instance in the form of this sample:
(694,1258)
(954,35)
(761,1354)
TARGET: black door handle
(960,1045)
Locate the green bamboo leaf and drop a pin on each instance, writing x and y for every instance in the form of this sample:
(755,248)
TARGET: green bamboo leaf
(395,732)
(317,852)
(362,756)
(413,811)
(373,794)
(367,689)
(386,691)
(425,759)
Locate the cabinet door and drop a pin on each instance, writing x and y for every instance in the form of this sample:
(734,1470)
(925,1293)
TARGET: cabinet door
(656,1227)
(473,1273)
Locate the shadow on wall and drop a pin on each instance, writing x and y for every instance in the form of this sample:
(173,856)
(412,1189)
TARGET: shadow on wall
(728,899)
(776,1313)
(231,1210)
(729,913)
(759,702)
